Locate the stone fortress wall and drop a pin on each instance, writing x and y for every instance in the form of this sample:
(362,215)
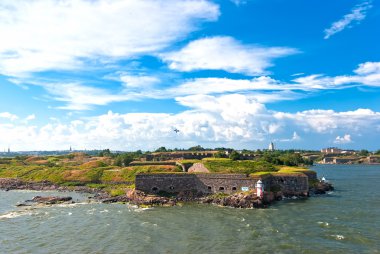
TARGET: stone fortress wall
(208,183)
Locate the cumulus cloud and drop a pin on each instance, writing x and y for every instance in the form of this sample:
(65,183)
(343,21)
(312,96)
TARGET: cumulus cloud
(225,53)
(229,120)
(358,13)
(8,116)
(46,35)
(263,89)
(368,68)
(343,140)
(295,137)
(328,121)
(30,117)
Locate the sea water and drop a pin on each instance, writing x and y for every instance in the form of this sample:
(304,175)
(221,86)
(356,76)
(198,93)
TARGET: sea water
(343,221)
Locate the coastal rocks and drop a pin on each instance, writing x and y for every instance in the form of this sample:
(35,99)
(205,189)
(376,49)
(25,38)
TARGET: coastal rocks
(240,200)
(8,184)
(51,200)
(321,188)
(47,200)
(141,199)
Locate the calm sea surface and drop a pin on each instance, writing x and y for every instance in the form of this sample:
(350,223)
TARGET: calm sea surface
(344,221)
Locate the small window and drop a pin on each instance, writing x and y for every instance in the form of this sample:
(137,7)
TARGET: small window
(234,188)
(221,188)
(154,189)
(171,187)
(209,187)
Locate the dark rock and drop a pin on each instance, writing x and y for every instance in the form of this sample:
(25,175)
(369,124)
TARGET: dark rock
(51,200)
(321,188)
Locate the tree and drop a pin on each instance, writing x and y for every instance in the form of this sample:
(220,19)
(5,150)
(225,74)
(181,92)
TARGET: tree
(123,159)
(234,156)
(363,152)
(220,154)
(161,149)
(196,148)
(105,153)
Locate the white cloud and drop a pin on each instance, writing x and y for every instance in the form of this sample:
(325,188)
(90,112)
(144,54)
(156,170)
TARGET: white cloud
(8,116)
(239,2)
(227,120)
(30,117)
(329,121)
(343,140)
(263,89)
(139,82)
(45,35)
(225,53)
(295,137)
(368,68)
(358,13)
(80,97)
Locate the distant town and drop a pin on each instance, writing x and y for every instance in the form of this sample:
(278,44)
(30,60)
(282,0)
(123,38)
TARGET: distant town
(330,155)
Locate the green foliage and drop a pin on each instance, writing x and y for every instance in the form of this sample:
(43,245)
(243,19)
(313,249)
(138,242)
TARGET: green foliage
(97,185)
(220,154)
(161,149)
(284,158)
(231,166)
(123,160)
(94,175)
(196,148)
(363,152)
(72,184)
(234,156)
(117,192)
(105,153)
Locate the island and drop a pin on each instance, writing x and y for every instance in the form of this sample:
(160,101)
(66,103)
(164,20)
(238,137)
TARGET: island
(225,177)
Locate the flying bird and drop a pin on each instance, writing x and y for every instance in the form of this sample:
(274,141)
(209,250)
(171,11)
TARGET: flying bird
(176,130)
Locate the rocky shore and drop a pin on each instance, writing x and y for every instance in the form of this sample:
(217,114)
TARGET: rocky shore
(236,200)
(8,184)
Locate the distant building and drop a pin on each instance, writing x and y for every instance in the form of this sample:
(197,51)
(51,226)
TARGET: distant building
(179,155)
(331,150)
(373,159)
(271,147)
(9,150)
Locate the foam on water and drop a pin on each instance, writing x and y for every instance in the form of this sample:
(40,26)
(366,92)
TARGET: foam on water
(338,237)
(15,214)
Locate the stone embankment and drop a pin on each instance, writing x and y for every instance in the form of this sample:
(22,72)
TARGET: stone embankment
(16,184)
(237,200)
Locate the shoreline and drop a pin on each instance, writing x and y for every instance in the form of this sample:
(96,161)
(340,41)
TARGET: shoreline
(141,199)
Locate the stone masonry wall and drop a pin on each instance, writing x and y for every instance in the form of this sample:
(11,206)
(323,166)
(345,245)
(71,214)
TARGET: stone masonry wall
(220,183)
(290,185)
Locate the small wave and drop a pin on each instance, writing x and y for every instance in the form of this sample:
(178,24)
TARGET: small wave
(15,214)
(135,208)
(323,224)
(31,191)
(104,211)
(329,192)
(338,237)
(71,205)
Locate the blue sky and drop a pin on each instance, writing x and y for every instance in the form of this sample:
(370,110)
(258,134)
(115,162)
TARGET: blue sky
(123,74)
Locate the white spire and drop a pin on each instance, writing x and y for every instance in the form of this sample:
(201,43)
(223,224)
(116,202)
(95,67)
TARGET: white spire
(271,147)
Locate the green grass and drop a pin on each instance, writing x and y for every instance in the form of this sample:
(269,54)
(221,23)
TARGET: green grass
(245,167)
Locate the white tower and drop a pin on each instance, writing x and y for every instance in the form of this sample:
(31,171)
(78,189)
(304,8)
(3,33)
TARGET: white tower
(271,147)
(259,188)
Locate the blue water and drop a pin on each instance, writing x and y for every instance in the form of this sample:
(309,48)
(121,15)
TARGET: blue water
(344,221)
